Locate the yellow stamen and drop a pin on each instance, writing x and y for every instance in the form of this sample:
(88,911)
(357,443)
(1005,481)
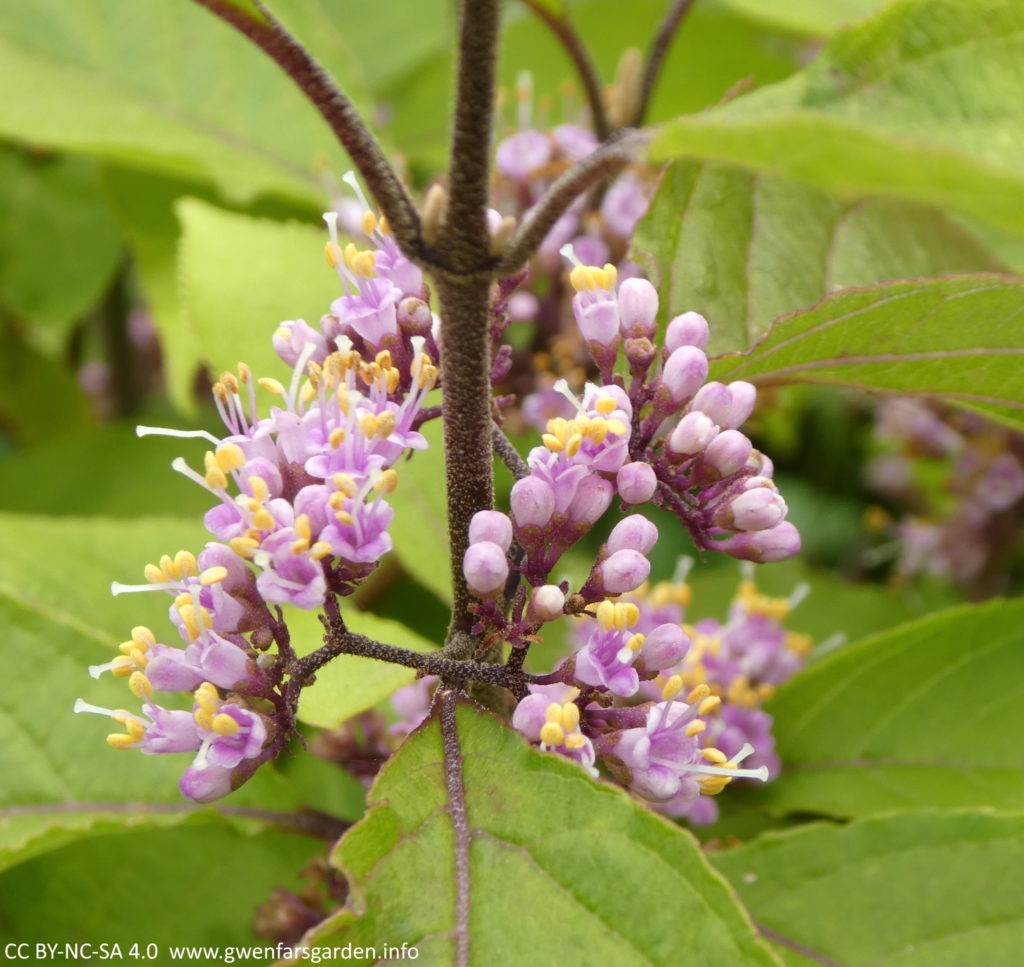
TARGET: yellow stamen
(272,385)
(369,223)
(605,405)
(552,734)
(213,575)
(672,687)
(224,724)
(140,685)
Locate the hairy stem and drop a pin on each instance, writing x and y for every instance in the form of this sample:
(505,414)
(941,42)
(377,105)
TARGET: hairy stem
(517,466)
(567,36)
(657,52)
(614,155)
(339,112)
(460,821)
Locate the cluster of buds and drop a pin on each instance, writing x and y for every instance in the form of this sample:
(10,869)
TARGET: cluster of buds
(300,513)
(957,533)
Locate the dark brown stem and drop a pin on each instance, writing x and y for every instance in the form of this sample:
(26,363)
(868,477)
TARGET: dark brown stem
(567,36)
(509,455)
(460,821)
(614,155)
(659,48)
(339,112)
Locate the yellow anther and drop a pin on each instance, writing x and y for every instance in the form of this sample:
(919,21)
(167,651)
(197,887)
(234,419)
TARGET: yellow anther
(552,734)
(336,501)
(575,741)
(260,488)
(205,617)
(243,546)
(244,373)
(140,685)
(609,276)
(138,658)
(552,442)
(636,642)
(709,705)
(213,575)
(154,575)
(263,520)
(215,479)
(700,693)
(203,718)
(798,644)
(393,379)
(344,518)
(570,716)
(428,376)
(351,254)
(230,456)
(713,785)
(579,278)
(365,264)
(765,691)
(118,740)
(122,667)
(384,225)
(597,431)
(345,484)
(308,392)
(220,391)
(617,427)
(386,482)
(368,425)
(224,724)
(331,254)
(606,405)
(383,359)
(272,385)
(302,527)
(695,728)
(185,562)
(386,423)
(605,614)
(167,566)
(630,614)
(713,755)
(320,550)
(229,380)
(183,599)
(188,619)
(573,444)
(207,696)
(554,713)
(369,223)
(672,687)
(336,437)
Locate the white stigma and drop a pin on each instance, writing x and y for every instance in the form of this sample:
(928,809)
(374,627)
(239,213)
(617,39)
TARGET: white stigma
(184,434)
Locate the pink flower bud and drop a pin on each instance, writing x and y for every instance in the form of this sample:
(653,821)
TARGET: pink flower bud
(593,497)
(763,547)
(728,452)
(485,567)
(491,525)
(635,532)
(414,316)
(546,603)
(624,571)
(598,321)
(693,433)
(744,396)
(684,372)
(755,510)
(638,308)
(715,400)
(663,647)
(636,482)
(689,329)
(532,502)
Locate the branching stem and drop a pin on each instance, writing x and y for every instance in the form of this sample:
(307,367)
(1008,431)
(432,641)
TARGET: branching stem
(657,52)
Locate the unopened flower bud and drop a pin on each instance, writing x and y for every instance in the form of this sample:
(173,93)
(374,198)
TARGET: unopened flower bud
(763,547)
(598,320)
(663,647)
(638,308)
(485,567)
(414,316)
(744,396)
(692,434)
(636,482)
(754,510)
(493,526)
(685,370)
(689,329)
(624,571)
(532,502)
(715,400)
(546,603)
(593,497)
(727,453)
(635,532)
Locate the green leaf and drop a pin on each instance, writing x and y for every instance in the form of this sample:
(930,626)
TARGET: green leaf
(957,339)
(198,884)
(349,684)
(919,889)
(920,101)
(744,248)
(595,877)
(240,277)
(164,86)
(420,527)
(59,242)
(927,714)
(816,17)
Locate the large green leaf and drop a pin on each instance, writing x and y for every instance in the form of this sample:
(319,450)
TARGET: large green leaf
(816,17)
(959,339)
(927,889)
(59,242)
(240,277)
(921,100)
(928,714)
(161,85)
(744,248)
(594,876)
(198,884)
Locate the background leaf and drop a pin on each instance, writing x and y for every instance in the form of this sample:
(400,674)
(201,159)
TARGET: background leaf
(927,714)
(744,248)
(919,889)
(924,85)
(566,845)
(958,340)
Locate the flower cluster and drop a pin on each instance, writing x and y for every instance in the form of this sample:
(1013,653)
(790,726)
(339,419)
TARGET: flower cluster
(300,511)
(956,529)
